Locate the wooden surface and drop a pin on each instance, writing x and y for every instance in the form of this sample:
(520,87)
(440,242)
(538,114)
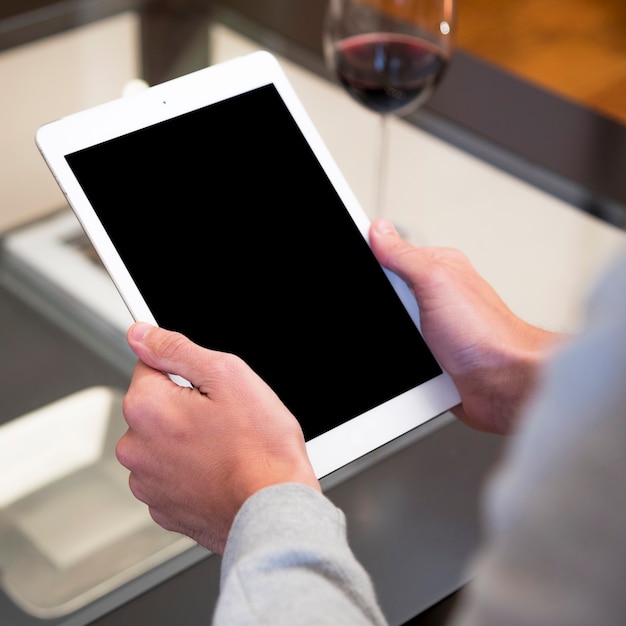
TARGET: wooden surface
(576,48)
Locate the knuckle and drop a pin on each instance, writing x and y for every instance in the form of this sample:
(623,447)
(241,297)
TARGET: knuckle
(121,452)
(135,487)
(129,406)
(173,345)
(446,262)
(163,520)
(126,454)
(227,365)
(447,257)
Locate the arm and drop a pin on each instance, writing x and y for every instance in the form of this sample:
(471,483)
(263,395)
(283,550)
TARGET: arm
(288,562)
(230,450)
(231,429)
(197,455)
(556,511)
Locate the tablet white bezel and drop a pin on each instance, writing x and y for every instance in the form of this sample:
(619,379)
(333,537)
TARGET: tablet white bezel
(345,443)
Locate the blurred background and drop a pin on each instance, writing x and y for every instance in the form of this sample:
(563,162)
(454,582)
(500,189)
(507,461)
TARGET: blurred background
(576,48)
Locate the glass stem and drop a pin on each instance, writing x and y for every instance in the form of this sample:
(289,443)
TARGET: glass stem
(381,168)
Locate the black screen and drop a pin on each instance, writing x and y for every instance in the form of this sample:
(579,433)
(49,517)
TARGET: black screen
(235,237)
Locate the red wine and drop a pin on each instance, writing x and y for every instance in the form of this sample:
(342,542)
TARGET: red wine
(387,72)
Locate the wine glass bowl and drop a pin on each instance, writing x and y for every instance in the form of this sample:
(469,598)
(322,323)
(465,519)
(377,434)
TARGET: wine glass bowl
(389,55)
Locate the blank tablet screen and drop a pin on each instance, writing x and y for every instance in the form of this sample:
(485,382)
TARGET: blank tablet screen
(235,237)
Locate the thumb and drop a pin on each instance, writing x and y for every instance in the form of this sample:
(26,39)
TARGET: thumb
(393,252)
(164,350)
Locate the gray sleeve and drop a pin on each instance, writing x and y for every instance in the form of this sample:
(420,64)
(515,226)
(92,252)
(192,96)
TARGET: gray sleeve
(556,511)
(287,561)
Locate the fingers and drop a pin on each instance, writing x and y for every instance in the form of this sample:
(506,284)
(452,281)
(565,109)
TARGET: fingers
(195,455)
(423,269)
(168,351)
(389,248)
(160,349)
(413,265)
(147,395)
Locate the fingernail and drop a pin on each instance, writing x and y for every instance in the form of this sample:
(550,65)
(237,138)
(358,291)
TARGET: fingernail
(384,226)
(139,330)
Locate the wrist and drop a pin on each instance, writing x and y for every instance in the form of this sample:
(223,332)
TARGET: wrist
(495,392)
(518,374)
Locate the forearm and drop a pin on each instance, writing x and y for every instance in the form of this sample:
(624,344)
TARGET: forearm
(555,551)
(287,561)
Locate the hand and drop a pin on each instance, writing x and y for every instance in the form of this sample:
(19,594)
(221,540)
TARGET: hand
(195,455)
(491,354)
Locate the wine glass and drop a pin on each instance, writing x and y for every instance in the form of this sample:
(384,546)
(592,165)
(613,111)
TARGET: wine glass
(389,55)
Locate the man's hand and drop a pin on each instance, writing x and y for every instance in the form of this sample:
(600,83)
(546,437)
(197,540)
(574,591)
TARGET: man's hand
(195,455)
(491,354)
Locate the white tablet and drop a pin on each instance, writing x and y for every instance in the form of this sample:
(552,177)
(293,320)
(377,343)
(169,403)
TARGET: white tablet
(218,212)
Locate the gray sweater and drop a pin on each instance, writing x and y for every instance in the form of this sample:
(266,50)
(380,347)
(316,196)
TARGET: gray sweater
(555,513)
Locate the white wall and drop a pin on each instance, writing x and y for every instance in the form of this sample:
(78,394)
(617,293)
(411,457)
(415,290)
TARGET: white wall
(46,80)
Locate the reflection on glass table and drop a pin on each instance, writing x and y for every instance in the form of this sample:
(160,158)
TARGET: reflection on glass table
(70,529)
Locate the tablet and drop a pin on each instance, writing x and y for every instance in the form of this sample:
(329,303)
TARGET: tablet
(218,211)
